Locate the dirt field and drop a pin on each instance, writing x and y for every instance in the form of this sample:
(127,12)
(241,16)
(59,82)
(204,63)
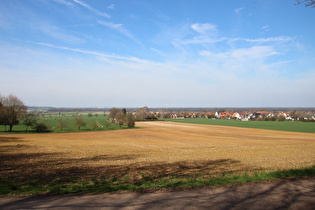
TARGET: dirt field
(158,148)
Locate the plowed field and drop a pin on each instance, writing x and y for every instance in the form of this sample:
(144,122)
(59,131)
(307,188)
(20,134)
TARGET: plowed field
(157,149)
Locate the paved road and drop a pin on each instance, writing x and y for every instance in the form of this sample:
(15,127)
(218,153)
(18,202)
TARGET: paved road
(280,194)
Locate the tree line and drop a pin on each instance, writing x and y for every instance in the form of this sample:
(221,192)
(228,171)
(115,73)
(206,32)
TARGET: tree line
(13,112)
(121,117)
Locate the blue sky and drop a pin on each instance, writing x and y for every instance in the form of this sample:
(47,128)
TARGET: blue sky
(178,53)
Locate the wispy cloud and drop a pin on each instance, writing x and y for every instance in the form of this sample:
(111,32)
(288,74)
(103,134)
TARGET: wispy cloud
(119,28)
(115,26)
(89,52)
(237,11)
(202,40)
(254,52)
(65,2)
(56,32)
(92,9)
(207,33)
(112,6)
(204,28)
(269,39)
(158,51)
(266,28)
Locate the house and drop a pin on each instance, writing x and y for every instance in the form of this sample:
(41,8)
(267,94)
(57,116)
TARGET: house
(236,115)
(286,115)
(245,116)
(222,115)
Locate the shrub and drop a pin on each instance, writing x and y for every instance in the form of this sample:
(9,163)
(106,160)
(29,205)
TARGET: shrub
(94,124)
(62,123)
(130,120)
(107,124)
(78,122)
(41,127)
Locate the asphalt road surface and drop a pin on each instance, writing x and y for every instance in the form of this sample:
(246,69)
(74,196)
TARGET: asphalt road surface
(279,194)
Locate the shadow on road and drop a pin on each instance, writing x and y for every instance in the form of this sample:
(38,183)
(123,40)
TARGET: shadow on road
(281,194)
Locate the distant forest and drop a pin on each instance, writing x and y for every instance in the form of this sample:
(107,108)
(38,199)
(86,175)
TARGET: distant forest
(174,109)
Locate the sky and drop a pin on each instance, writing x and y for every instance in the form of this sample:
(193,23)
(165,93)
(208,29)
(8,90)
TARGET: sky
(178,53)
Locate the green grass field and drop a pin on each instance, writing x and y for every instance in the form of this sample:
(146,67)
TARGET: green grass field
(307,127)
(52,121)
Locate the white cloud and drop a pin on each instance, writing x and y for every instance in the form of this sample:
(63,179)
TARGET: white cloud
(92,9)
(237,11)
(202,40)
(133,59)
(231,72)
(57,33)
(111,25)
(255,52)
(64,2)
(269,39)
(158,51)
(119,28)
(204,28)
(112,6)
(266,28)
(205,53)
(207,33)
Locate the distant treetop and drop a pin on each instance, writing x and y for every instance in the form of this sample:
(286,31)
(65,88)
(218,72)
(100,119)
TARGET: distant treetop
(308,3)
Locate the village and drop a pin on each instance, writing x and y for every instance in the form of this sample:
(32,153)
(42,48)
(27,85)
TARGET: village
(245,115)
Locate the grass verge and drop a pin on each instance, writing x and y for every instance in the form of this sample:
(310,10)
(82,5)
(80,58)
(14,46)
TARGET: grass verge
(60,186)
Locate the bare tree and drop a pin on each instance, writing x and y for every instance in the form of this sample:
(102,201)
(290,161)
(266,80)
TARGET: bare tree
(120,118)
(130,120)
(12,108)
(3,114)
(29,120)
(62,123)
(79,122)
(94,124)
(107,124)
(142,113)
(308,3)
(113,113)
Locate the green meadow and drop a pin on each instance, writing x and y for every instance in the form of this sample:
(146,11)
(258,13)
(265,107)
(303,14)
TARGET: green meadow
(51,120)
(307,127)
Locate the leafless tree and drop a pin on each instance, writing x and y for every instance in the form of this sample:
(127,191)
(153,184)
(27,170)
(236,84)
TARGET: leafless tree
(12,108)
(79,122)
(120,118)
(142,113)
(107,124)
(130,120)
(62,123)
(113,113)
(94,124)
(29,120)
(308,3)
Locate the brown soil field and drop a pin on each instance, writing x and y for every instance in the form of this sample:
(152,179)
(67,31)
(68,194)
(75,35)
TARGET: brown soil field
(156,149)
